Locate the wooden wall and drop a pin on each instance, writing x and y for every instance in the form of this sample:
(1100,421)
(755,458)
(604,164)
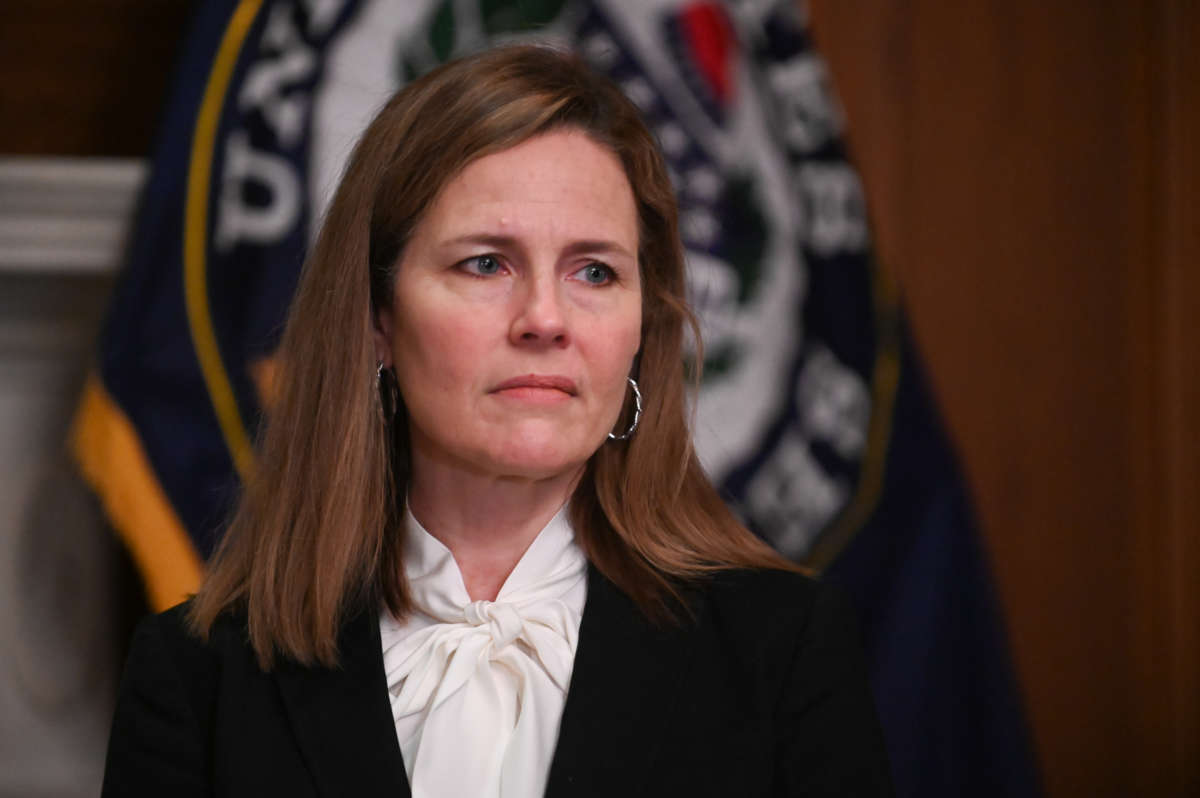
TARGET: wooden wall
(86,78)
(1032,172)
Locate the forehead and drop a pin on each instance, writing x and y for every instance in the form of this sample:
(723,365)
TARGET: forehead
(561,181)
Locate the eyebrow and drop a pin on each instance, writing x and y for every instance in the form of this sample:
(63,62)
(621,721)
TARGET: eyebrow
(598,246)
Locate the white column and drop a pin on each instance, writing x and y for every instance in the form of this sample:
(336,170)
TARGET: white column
(62,229)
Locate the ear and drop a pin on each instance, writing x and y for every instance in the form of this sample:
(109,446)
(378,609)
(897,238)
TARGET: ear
(383,324)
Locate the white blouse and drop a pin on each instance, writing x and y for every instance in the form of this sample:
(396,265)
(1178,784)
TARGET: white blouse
(477,687)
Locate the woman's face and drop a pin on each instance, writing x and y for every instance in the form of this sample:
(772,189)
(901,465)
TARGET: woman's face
(517,310)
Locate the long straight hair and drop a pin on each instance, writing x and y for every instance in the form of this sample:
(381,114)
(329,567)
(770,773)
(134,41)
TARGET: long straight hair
(317,532)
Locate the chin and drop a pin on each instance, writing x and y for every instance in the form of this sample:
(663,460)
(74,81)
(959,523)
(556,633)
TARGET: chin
(540,457)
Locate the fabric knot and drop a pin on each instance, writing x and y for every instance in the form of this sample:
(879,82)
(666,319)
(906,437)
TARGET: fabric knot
(504,622)
(476,716)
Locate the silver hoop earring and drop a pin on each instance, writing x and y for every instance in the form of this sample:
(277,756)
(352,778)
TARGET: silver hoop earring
(637,414)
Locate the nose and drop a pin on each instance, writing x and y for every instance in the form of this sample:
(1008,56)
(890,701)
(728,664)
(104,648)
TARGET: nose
(540,319)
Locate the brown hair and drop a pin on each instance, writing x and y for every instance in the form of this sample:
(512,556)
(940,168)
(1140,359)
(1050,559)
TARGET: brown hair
(317,532)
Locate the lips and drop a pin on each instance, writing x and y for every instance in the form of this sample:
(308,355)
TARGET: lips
(538,382)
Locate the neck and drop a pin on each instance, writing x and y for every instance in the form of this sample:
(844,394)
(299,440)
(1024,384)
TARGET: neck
(485,520)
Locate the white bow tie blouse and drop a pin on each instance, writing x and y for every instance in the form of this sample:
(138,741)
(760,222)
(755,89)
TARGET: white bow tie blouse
(477,687)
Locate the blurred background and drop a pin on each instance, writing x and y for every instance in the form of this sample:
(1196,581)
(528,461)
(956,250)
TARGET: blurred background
(1032,177)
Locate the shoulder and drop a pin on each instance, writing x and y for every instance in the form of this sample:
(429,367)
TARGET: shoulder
(172,633)
(167,652)
(750,585)
(164,709)
(779,617)
(793,643)
(766,596)
(165,642)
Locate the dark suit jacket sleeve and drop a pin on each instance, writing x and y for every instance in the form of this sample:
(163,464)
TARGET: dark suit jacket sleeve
(829,739)
(156,746)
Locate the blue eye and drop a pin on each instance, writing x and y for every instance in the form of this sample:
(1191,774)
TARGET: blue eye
(482,265)
(596,274)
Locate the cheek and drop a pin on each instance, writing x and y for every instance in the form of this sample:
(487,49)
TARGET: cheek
(616,346)
(435,354)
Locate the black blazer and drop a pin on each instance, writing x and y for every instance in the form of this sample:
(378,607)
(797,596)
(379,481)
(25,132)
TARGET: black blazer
(764,693)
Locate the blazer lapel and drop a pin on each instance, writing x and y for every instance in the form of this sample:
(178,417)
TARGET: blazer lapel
(342,717)
(624,684)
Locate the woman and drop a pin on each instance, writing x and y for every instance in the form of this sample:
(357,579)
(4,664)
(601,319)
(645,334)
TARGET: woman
(479,556)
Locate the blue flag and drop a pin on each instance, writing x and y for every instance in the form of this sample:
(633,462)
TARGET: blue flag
(813,417)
